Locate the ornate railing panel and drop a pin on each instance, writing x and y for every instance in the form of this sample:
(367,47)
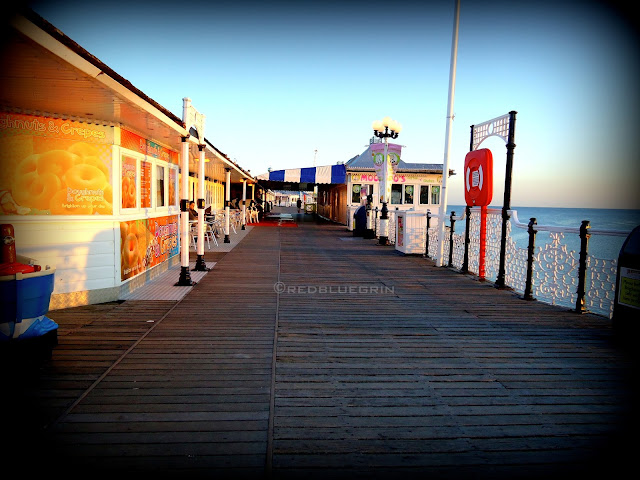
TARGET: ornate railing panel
(601,275)
(474,242)
(458,250)
(492,255)
(392,226)
(555,273)
(555,263)
(433,242)
(515,266)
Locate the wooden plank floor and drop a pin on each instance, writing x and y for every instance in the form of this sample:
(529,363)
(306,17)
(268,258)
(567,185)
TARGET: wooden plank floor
(304,355)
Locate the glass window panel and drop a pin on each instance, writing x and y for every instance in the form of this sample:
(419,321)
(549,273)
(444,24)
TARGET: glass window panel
(424,194)
(396,194)
(435,194)
(408,194)
(160,186)
(355,193)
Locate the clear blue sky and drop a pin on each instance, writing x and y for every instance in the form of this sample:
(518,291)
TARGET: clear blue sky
(278,80)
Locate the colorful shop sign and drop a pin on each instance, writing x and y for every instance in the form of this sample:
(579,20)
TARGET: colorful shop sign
(135,142)
(385,167)
(369,177)
(147,242)
(393,154)
(51,166)
(159,152)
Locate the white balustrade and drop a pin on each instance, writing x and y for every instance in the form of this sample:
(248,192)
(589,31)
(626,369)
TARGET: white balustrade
(555,265)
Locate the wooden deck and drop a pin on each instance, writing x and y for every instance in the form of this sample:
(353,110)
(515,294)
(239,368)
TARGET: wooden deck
(307,352)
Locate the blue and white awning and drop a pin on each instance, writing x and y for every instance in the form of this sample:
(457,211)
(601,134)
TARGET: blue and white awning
(328,174)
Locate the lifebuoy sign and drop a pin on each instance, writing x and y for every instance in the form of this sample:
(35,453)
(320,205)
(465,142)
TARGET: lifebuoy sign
(478,178)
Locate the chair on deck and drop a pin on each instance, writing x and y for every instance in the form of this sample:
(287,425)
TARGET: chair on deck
(252,214)
(208,234)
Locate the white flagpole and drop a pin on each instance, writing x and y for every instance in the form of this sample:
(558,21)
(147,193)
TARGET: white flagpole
(447,143)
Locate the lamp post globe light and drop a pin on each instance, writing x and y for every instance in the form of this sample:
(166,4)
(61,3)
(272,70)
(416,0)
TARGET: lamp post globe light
(385,128)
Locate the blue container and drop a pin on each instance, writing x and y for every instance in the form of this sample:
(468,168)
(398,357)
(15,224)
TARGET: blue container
(24,300)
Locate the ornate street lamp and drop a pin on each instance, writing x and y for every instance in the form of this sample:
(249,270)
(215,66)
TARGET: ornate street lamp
(385,128)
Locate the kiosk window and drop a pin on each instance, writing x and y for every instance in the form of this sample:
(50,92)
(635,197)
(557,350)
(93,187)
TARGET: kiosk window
(435,194)
(367,188)
(396,194)
(355,193)
(358,191)
(408,194)
(424,194)
(160,186)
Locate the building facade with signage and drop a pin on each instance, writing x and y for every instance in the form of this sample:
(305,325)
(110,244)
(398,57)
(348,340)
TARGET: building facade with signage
(91,168)
(414,186)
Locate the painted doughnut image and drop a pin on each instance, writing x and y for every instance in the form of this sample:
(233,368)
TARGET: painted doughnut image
(172,193)
(128,193)
(134,239)
(84,176)
(83,149)
(96,162)
(60,205)
(108,193)
(14,149)
(56,161)
(36,190)
(101,207)
(142,243)
(130,251)
(41,181)
(28,165)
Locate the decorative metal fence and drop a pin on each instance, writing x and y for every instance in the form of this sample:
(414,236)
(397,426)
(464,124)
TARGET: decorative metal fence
(552,273)
(391,223)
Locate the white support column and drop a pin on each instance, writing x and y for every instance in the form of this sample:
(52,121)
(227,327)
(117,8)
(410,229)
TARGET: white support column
(226,206)
(200,263)
(447,142)
(185,277)
(244,203)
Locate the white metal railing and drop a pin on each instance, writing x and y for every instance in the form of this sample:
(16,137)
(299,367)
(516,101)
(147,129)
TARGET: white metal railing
(555,266)
(555,269)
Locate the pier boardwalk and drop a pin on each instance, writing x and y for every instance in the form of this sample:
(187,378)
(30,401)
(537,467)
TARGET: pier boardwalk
(309,353)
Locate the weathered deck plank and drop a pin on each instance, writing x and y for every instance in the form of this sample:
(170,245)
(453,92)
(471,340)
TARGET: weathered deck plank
(384,364)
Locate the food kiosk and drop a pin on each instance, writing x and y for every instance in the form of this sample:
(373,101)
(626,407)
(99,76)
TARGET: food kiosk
(91,167)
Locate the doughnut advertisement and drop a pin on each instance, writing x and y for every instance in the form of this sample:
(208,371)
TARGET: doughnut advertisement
(145,184)
(173,179)
(52,166)
(129,187)
(147,242)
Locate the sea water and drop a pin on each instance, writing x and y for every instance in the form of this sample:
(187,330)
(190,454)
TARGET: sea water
(600,246)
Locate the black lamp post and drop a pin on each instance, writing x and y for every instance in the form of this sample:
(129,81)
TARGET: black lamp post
(391,130)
